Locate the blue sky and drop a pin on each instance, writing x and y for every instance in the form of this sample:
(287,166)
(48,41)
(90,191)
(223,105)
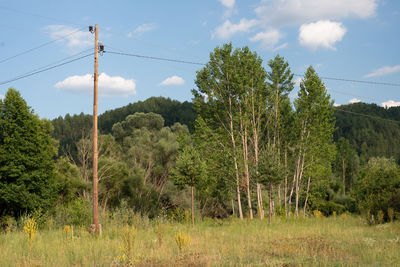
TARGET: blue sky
(350,39)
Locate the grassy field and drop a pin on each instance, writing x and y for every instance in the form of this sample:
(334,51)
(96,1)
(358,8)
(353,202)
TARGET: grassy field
(334,241)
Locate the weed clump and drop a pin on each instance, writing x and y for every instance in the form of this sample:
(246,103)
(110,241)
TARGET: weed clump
(30,229)
(182,240)
(318,214)
(128,242)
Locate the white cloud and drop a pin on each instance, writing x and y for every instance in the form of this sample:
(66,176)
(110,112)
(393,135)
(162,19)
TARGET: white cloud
(74,37)
(390,103)
(108,85)
(354,100)
(292,12)
(297,81)
(383,71)
(227,3)
(323,33)
(282,46)
(336,105)
(174,80)
(145,28)
(269,39)
(227,30)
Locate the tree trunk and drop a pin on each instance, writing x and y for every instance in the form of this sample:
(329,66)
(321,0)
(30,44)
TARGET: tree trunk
(105,203)
(344,177)
(285,189)
(305,202)
(291,193)
(260,202)
(270,203)
(192,189)
(236,166)
(233,207)
(279,195)
(243,132)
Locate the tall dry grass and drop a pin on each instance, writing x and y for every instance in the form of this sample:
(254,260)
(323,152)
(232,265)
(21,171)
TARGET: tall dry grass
(334,241)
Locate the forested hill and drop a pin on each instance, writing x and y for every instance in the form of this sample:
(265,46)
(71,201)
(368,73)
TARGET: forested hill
(72,128)
(368,135)
(171,110)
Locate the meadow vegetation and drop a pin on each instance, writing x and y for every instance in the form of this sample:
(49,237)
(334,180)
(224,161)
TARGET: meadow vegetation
(314,241)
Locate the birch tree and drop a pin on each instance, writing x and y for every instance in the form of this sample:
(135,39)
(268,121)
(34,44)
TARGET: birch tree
(314,125)
(227,98)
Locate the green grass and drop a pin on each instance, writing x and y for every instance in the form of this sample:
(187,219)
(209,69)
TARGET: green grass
(287,242)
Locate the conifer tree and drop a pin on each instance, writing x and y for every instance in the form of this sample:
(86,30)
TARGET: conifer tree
(27,180)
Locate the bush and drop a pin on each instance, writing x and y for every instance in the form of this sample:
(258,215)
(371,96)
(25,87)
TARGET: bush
(349,203)
(78,213)
(378,189)
(328,207)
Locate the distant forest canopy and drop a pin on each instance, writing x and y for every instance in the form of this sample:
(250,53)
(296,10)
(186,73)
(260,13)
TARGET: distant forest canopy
(70,129)
(369,137)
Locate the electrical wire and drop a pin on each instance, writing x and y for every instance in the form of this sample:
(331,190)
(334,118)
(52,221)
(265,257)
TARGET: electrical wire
(39,46)
(55,62)
(40,16)
(155,58)
(366,115)
(203,64)
(45,69)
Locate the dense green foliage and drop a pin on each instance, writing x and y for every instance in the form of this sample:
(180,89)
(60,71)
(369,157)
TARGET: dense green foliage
(370,136)
(27,180)
(70,129)
(378,188)
(250,146)
(171,110)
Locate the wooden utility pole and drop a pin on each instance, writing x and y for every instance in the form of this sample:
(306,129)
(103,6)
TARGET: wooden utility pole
(96,224)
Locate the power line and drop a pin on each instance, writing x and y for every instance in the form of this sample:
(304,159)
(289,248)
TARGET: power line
(55,62)
(156,58)
(366,115)
(39,16)
(203,64)
(354,81)
(45,69)
(39,46)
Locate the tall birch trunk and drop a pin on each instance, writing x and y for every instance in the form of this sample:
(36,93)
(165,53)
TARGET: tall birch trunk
(285,189)
(246,165)
(308,190)
(235,161)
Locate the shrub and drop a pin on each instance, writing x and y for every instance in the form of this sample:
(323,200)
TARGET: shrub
(378,188)
(349,203)
(8,223)
(328,207)
(77,213)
